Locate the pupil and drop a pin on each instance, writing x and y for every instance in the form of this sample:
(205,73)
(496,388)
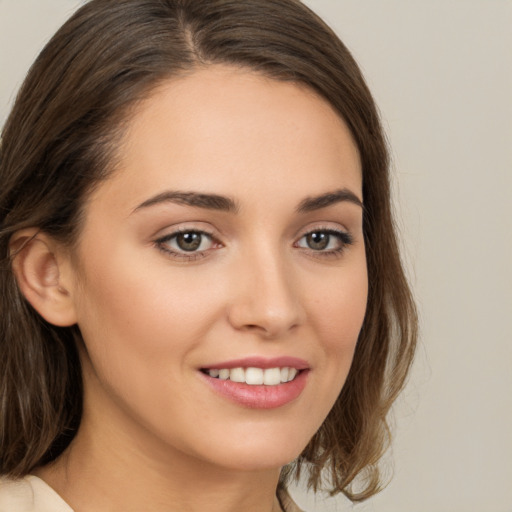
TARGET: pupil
(318,241)
(188,241)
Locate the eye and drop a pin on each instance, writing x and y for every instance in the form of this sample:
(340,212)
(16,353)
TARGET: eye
(189,243)
(328,241)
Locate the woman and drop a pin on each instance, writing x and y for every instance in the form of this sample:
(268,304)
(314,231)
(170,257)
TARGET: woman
(202,292)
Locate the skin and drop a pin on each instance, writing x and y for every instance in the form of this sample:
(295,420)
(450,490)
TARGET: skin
(151,319)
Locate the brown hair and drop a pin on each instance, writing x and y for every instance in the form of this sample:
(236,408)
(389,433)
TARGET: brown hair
(60,140)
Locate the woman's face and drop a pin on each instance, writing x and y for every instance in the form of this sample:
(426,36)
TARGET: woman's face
(229,238)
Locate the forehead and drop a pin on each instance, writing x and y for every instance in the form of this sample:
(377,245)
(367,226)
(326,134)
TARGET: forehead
(228,130)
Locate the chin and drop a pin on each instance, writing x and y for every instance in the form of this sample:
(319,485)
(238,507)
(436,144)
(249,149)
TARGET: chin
(251,462)
(255,451)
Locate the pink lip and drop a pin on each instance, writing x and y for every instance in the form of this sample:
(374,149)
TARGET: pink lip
(259,397)
(261,362)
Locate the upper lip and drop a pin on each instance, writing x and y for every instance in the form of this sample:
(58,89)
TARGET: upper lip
(261,362)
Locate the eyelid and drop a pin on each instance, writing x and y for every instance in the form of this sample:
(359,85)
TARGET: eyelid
(168,229)
(334,227)
(329,230)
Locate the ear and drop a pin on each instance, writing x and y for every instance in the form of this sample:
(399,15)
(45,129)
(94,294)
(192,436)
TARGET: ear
(38,263)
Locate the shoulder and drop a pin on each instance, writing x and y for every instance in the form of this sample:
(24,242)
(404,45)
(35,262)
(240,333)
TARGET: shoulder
(16,495)
(29,494)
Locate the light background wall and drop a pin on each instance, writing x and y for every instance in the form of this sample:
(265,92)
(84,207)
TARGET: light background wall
(441,71)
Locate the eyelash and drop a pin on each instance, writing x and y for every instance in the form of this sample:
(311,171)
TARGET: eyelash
(344,238)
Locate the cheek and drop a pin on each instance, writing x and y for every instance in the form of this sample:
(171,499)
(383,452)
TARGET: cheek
(338,317)
(134,313)
(141,331)
(341,307)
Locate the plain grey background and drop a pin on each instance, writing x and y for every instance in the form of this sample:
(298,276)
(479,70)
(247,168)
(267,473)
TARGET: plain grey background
(442,75)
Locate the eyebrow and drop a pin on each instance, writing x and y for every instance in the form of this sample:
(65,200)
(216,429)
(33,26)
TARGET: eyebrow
(199,200)
(328,199)
(226,204)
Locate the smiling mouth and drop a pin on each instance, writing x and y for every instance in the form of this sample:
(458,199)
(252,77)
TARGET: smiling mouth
(254,376)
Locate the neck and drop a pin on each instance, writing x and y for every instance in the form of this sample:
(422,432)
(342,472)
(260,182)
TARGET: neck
(98,473)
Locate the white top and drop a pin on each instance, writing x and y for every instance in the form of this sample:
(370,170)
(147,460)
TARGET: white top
(31,494)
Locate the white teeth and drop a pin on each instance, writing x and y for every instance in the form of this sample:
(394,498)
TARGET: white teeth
(255,376)
(237,375)
(272,377)
(223,374)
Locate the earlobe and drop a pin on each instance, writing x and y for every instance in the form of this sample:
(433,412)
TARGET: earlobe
(36,263)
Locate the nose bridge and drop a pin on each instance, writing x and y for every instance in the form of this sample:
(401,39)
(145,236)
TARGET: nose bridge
(266,300)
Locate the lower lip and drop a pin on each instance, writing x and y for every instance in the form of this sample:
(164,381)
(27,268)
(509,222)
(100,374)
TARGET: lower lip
(259,397)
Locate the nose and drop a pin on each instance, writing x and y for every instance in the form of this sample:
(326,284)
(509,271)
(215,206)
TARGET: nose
(265,299)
